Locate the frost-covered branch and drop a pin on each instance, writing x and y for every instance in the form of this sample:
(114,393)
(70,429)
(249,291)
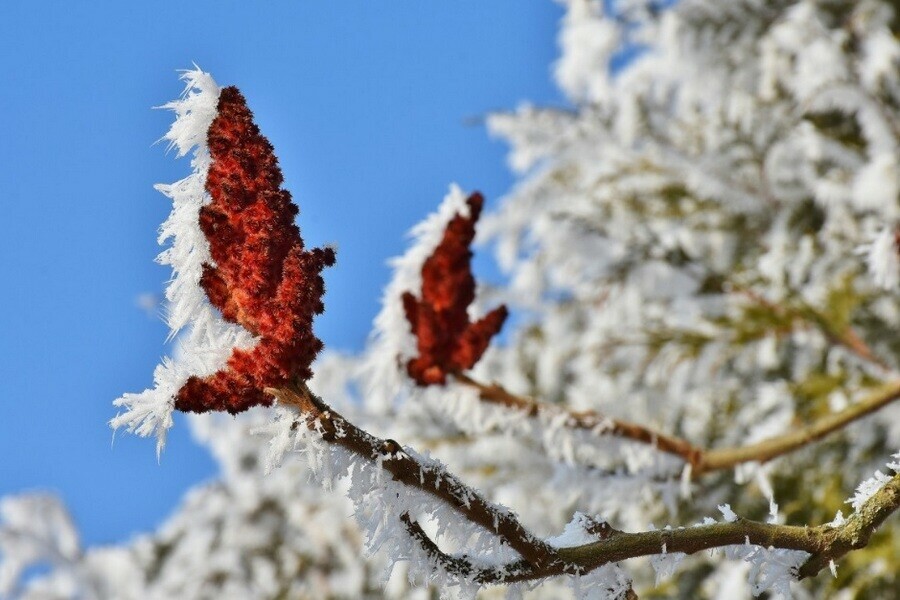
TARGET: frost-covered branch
(857,530)
(824,543)
(586,420)
(702,460)
(406,469)
(725,458)
(463,567)
(540,559)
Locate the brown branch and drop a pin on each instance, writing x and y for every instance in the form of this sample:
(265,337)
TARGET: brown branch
(851,340)
(432,479)
(464,568)
(702,460)
(539,559)
(846,338)
(725,458)
(824,543)
(587,420)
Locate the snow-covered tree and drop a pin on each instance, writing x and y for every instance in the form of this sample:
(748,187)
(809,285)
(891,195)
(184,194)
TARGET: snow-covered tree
(697,348)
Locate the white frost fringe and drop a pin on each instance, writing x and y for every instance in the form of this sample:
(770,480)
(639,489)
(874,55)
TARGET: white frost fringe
(380,501)
(208,342)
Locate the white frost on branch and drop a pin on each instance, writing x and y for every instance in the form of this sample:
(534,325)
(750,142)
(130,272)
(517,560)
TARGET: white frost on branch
(872,485)
(577,532)
(727,513)
(380,502)
(609,582)
(877,185)
(771,569)
(666,564)
(588,43)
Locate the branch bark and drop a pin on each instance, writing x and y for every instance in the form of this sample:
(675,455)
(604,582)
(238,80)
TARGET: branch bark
(539,559)
(586,420)
(824,543)
(702,460)
(725,458)
(407,470)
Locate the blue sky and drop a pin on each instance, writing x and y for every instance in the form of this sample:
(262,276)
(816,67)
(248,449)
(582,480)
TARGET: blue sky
(369,106)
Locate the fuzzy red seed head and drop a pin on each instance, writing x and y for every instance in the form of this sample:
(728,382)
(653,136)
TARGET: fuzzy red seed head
(447,340)
(261,276)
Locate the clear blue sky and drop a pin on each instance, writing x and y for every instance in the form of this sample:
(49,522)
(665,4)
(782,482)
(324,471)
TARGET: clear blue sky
(367,105)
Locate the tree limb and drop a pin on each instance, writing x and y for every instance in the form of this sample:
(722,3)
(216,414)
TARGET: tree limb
(824,543)
(725,458)
(702,460)
(587,420)
(406,469)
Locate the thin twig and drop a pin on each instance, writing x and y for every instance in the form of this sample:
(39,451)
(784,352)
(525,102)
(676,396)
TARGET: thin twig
(587,420)
(725,458)
(702,460)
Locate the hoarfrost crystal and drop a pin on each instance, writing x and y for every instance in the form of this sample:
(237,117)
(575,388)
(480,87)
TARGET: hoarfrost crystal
(209,340)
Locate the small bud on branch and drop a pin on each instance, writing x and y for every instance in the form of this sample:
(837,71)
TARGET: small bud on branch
(446,339)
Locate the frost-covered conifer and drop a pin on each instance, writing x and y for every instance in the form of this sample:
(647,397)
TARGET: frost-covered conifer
(703,263)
